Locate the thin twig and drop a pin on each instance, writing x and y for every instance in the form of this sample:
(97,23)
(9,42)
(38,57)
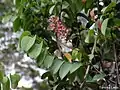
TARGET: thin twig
(115,56)
(96,69)
(88,68)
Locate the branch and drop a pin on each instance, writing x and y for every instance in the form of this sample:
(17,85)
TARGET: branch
(115,56)
(88,68)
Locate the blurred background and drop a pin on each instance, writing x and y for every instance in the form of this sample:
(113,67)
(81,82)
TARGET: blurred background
(13,60)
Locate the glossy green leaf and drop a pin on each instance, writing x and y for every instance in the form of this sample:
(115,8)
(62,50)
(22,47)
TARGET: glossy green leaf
(45,75)
(56,65)
(81,73)
(75,66)
(48,61)
(90,37)
(6,83)
(51,9)
(79,56)
(104,26)
(25,33)
(42,56)
(64,70)
(1,71)
(89,78)
(16,24)
(1,76)
(57,8)
(35,51)
(74,54)
(110,6)
(98,77)
(27,42)
(65,5)
(14,80)
(55,87)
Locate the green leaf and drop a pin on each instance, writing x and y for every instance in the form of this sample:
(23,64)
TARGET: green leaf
(17,3)
(79,56)
(23,1)
(72,76)
(1,71)
(68,1)
(55,87)
(74,7)
(81,73)
(48,61)
(57,8)
(14,80)
(74,54)
(89,78)
(116,21)
(98,77)
(104,26)
(90,37)
(75,66)
(45,75)
(6,18)
(55,1)
(2,67)
(1,76)
(65,5)
(91,56)
(65,68)
(88,3)
(35,51)
(27,42)
(42,56)
(6,83)
(25,33)
(79,5)
(56,65)
(103,10)
(110,6)
(16,24)
(51,9)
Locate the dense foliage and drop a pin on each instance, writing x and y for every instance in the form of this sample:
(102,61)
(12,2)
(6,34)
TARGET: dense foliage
(74,40)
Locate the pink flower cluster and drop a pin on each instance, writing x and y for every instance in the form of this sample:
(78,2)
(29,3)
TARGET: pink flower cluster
(57,26)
